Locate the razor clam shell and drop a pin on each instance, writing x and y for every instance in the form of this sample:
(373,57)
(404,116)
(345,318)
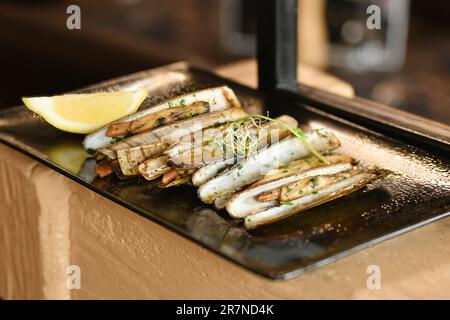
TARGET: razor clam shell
(334,191)
(131,158)
(206,154)
(220,98)
(207,134)
(154,168)
(258,165)
(167,116)
(186,180)
(208,172)
(173,132)
(221,202)
(297,166)
(244,203)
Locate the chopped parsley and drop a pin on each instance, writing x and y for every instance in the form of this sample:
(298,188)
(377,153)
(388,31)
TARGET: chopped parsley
(119,138)
(286,203)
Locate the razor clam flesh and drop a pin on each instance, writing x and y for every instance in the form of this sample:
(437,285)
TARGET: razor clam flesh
(131,158)
(240,140)
(256,166)
(252,198)
(175,131)
(339,185)
(219,98)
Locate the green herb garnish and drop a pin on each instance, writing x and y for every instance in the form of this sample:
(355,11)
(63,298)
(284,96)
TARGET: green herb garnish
(288,191)
(298,132)
(241,137)
(119,138)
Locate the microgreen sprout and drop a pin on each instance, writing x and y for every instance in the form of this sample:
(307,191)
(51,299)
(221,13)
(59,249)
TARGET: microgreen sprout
(242,138)
(298,132)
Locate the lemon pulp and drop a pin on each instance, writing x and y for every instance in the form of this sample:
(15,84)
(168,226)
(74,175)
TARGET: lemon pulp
(84,113)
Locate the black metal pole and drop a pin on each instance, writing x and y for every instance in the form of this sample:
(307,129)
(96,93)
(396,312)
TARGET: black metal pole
(277,45)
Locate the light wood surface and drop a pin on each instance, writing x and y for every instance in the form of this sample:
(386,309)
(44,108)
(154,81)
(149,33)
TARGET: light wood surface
(49,222)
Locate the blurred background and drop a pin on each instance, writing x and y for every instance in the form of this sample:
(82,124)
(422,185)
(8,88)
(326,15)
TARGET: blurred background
(405,64)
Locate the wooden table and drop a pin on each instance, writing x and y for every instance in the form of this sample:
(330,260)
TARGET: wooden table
(49,222)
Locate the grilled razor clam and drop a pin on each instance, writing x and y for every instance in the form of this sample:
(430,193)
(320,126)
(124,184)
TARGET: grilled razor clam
(340,185)
(103,168)
(301,165)
(219,98)
(221,202)
(177,182)
(153,168)
(175,131)
(263,193)
(175,177)
(208,172)
(129,159)
(219,150)
(287,150)
(174,174)
(294,168)
(203,174)
(169,176)
(116,167)
(158,119)
(206,135)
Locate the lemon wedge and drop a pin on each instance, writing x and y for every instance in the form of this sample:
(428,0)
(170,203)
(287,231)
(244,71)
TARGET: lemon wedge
(84,113)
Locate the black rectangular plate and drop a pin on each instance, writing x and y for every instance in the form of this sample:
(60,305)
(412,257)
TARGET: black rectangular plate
(415,192)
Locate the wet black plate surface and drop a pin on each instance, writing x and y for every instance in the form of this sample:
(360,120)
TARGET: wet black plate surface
(415,192)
